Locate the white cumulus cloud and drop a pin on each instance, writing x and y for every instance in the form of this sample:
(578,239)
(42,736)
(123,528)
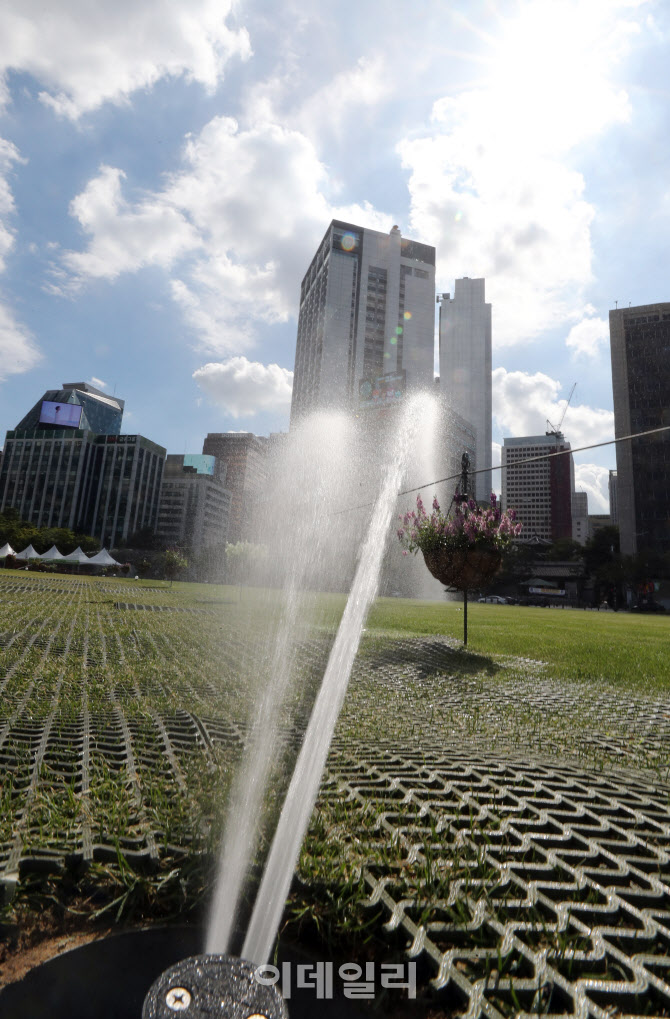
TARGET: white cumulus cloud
(588,337)
(248,209)
(84,54)
(594,480)
(124,237)
(18,351)
(245,388)
(524,402)
(9,154)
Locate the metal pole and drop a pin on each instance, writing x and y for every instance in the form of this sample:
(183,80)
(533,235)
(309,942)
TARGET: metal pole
(465,616)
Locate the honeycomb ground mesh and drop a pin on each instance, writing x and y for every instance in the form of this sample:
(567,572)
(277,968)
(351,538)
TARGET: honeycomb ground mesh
(514,834)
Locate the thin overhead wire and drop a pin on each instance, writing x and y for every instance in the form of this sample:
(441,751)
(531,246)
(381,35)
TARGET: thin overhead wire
(517,463)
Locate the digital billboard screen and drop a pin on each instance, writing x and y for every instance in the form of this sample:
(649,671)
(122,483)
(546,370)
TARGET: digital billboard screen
(64,415)
(201,463)
(382,391)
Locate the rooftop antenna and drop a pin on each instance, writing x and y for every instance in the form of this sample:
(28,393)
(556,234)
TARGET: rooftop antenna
(616,304)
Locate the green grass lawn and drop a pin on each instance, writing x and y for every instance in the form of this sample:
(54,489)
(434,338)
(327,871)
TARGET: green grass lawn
(618,647)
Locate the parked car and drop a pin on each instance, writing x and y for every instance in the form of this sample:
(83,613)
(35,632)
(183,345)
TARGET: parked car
(493,599)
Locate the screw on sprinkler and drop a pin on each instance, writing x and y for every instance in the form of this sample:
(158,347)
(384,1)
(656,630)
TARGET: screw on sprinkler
(178,999)
(206,985)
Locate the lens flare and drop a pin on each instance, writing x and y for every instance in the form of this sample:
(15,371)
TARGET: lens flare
(407,315)
(348,242)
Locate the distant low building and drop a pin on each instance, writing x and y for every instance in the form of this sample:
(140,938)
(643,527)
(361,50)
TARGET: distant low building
(539,485)
(194,505)
(580,517)
(242,462)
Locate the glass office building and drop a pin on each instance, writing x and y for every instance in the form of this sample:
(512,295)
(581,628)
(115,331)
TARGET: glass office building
(103,484)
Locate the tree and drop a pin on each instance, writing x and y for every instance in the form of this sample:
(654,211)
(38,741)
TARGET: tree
(565,550)
(244,560)
(602,549)
(62,537)
(173,564)
(605,564)
(86,543)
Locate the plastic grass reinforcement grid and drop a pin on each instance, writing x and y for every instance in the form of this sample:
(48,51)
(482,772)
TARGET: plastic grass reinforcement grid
(518,875)
(544,889)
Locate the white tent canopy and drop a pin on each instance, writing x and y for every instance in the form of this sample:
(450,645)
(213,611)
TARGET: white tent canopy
(6,550)
(76,557)
(28,553)
(52,554)
(103,558)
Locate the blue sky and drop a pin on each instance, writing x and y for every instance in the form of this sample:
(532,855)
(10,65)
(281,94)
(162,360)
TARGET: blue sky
(168,168)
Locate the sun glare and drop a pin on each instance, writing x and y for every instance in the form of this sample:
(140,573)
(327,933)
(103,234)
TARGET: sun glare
(551,72)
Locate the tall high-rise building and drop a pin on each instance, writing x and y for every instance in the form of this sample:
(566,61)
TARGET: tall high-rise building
(66,465)
(367,308)
(640,349)
(541,490)
(242,463)
(465,366)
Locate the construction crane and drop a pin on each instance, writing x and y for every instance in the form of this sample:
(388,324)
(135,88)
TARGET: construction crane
(556,429)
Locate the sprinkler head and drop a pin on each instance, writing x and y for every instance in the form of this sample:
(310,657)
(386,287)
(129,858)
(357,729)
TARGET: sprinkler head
(212,985)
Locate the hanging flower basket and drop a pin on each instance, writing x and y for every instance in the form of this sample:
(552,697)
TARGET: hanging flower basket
(463,569)
(462,550)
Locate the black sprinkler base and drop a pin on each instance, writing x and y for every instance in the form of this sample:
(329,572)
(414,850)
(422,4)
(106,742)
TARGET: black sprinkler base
(111,978)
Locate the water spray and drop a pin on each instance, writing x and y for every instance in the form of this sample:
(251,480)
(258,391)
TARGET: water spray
(221,984)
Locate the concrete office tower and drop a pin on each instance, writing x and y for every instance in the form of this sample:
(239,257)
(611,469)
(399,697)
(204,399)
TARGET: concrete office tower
(580,517)
(465,366)
(127,474)
(194,505)
(640,349)
(367,308)
(540,491)
(243,457)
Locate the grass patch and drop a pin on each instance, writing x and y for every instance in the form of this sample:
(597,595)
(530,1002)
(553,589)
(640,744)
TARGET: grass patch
(617,647)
